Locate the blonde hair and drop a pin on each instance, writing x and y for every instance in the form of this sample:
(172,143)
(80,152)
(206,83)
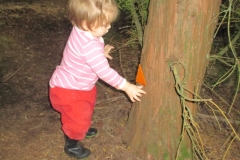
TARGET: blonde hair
(95,13)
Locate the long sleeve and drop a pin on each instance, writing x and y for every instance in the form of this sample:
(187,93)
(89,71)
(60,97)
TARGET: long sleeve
(83,63)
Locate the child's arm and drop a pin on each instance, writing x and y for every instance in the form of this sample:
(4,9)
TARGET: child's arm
(133,91)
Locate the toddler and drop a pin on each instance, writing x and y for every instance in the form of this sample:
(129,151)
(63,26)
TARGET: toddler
(73,83)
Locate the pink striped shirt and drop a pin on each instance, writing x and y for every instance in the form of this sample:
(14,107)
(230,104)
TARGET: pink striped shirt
(83,63)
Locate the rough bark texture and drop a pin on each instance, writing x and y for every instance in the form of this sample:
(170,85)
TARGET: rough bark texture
(177,31)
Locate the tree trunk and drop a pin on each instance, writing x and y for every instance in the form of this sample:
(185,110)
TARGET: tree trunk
(178,33)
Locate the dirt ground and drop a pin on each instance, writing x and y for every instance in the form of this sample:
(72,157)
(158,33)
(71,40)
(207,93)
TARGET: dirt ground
(32,36)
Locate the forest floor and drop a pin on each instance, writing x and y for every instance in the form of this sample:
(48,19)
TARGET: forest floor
(32,37)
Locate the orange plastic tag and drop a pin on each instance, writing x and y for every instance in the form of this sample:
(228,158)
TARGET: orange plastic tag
(140,76)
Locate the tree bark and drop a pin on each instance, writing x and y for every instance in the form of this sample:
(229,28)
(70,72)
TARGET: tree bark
(178,32)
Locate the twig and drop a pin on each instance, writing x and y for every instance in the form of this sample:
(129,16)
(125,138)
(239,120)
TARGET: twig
(222,100)
(104,87)
(108,100)
(225,154)
(137,22)
(120,61)
(204,116)
(10,76)
(225,49)
(188,121)
(179,86)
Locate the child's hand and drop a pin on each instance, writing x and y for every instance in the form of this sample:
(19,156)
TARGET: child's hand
(107,50)
(133,91)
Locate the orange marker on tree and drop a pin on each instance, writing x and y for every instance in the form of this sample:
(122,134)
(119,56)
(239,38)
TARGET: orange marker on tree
(140,76)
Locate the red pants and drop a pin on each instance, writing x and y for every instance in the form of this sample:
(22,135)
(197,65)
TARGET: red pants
(76,108)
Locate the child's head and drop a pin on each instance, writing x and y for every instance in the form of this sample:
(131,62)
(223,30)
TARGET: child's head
(92,13)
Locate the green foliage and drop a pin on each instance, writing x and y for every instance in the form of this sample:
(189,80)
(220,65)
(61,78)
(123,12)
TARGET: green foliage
(141,7)
(124,5)
(137,13)
(229,23)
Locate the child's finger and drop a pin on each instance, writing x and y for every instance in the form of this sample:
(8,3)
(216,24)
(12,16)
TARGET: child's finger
(109,57)
(140,87)
(142,91)
(136,98)
(132,99)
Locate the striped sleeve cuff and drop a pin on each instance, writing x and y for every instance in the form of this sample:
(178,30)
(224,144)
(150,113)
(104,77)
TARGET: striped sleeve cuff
(122,84)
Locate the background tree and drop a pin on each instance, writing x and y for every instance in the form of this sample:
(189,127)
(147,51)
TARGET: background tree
(176,46)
